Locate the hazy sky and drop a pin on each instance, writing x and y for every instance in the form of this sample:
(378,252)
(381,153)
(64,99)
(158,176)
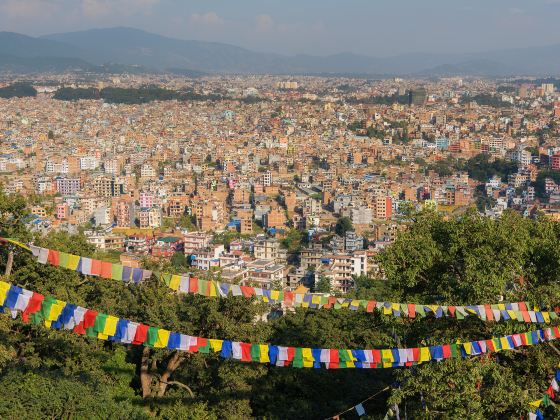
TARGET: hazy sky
(373,27)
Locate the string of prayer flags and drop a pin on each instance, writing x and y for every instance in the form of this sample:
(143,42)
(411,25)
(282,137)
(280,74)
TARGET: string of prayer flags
(551,394)
(56,314)
(518,311)
(360,411)
(89,266)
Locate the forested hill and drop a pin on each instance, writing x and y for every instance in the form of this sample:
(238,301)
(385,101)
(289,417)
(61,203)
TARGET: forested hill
(129,95)
(58,374)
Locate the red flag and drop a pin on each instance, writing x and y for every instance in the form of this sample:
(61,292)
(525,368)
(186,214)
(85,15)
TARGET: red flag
(411,310)
(141,334)
(489,313)
(246,351)
(106,269)
(95,267)
(247,291)
(54,257)
(193,285)
(33,306)
(88,322)
(451,310)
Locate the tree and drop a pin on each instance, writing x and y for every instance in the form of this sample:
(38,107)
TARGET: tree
(13,209)
(323,285)
(343,225)
(18,90)
(179,261)
(459,260)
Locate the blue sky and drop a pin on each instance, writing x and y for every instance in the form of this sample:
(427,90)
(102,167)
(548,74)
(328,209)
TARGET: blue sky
(372,27)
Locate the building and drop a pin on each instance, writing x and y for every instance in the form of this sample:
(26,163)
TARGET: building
(555,162)
(269,249)
(146,200)
(105,241)
(208,258)
(245,221)
(88,163)
(195,241)
(361,215)
(340,268)
(123,214)
(382,207)
(62,211)
(417,96)
(67,186)
(274,218)
(102,216)
(266,274)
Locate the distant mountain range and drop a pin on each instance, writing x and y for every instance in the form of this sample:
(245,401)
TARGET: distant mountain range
(128,49)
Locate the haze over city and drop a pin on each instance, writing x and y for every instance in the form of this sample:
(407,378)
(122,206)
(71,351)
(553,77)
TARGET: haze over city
(376,28)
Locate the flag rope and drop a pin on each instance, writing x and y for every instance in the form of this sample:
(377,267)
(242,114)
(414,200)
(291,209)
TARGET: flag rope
(517,311)
(337,416)
(57,314)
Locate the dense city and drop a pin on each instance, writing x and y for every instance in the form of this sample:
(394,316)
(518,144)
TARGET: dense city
(281,183)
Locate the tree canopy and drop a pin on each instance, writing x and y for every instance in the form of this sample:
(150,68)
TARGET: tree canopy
(463,260)
(17,90)
(343,225)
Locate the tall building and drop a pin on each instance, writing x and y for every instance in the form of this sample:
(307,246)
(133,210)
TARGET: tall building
(417,96)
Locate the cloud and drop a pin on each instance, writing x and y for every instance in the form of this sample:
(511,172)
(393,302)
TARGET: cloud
(516,11)
(210,18)
(29,9)
(265,23)
(98,8)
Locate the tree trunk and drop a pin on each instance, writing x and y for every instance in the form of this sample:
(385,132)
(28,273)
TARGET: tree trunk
(9,263)
(145,376)
(172,365)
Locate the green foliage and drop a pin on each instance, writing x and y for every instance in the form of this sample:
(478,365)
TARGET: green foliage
(343,225)
(37,393)
(139,95)
(293,240)
(464,260)
(388,100)
(323,285)
(179,261)
(444,167)
(481,168)
(18,90)
(539,183)
(74,94)
(486,99)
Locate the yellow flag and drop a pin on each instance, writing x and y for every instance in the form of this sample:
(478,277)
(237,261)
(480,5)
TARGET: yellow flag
(175,282)
(4,287)
(215,344)
(73,261)
(387,356)
(110,325)
(505,343)
(264,353)
(307,357)
(162,338)
(425,354)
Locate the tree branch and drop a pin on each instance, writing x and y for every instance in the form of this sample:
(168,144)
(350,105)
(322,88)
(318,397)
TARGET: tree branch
(553,347)
(180,385)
